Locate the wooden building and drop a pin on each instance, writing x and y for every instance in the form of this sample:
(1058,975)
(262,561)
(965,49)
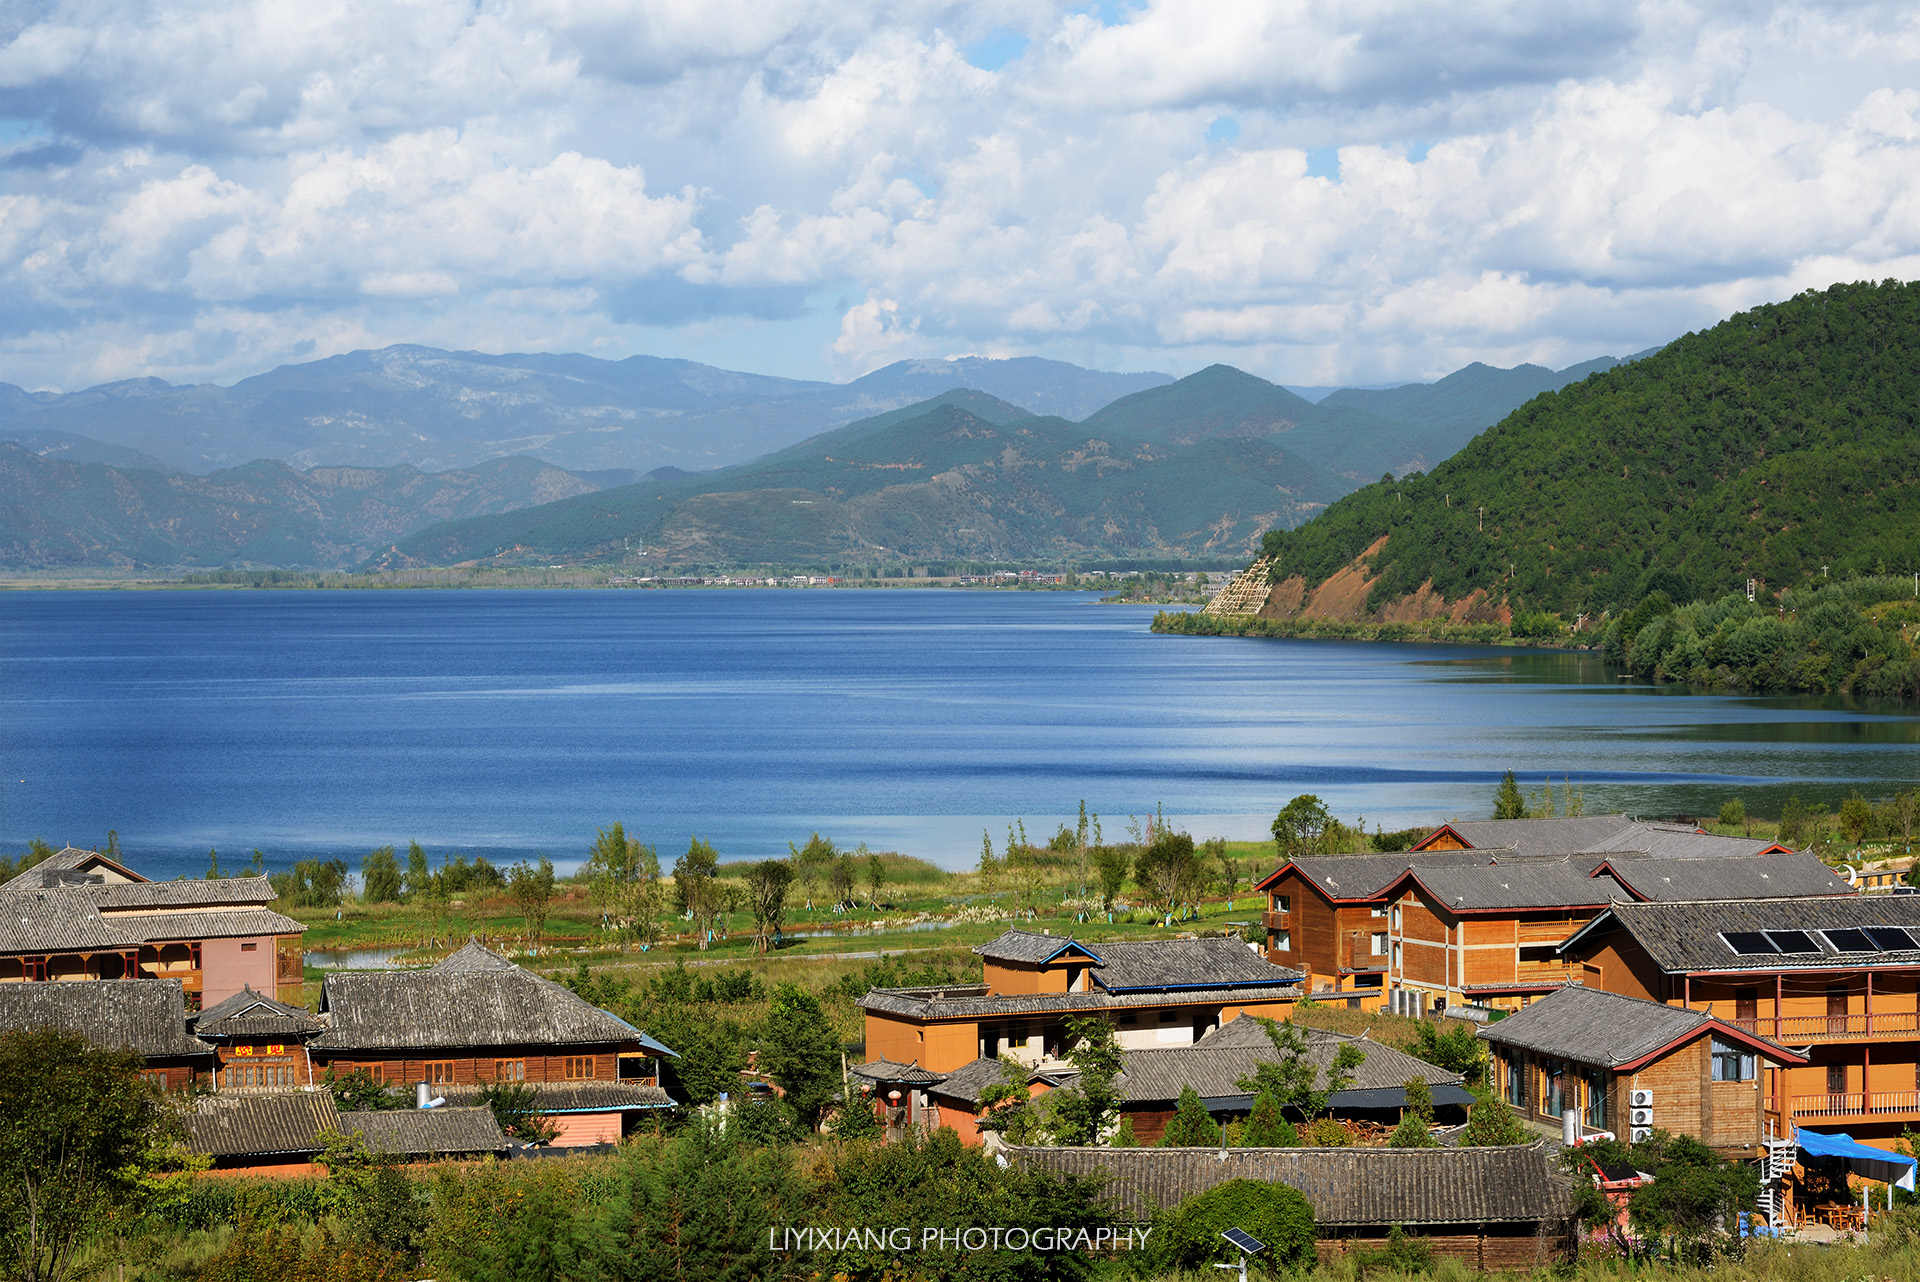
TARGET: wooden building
(1492,1208)
(146,1016)
(1839,977)
(82,915)
(1157,993)
(260,1043)
(281,1132)
(476,1018)
(1625,1065)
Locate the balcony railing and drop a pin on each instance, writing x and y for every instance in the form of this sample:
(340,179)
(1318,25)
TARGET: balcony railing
(1794,1028)
(1274,921)
(1856,1104)
(1360,954)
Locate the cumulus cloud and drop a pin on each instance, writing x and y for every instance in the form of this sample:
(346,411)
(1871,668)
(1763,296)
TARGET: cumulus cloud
(1316,190)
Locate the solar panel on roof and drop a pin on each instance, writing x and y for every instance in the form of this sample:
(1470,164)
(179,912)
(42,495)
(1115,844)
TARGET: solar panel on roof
(1748,943)
(1244,1240)
(1850,941)
(1890,939)
(1792,941)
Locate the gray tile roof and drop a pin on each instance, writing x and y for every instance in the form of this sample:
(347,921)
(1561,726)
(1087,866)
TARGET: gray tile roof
(1736,877)
(1348,1187)
(235,1125)
(1365,876)
(69,859)
(58,920)
(458,1007)
(219,892)
(249,1014)
(1519,884)
(1140,965)
(966,1082)
(239,924)
(427,1132)
(472,955)
(1678,841)
(1029,946)
(577,1097)
(144,1015)
(885,1070)
(1593,1027)
(1560,836)
(1214,1065)
(1682,937)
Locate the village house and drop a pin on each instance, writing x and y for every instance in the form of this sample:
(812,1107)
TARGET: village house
(475,1018)
(81,915)
(1625,1065)
(1163,992)
(282,1133)
(145,1016)
(1837,978)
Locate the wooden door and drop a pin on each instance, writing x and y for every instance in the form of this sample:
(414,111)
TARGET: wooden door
(1837,1009)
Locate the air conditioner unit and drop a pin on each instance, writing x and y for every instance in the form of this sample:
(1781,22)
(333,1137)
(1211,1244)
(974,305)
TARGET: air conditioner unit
(1640,1099)
(1640,1133)
(1642,1117)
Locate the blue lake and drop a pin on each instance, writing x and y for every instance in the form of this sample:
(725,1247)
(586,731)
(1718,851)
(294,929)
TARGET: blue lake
(512,722)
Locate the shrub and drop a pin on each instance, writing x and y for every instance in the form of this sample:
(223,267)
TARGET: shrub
(1325,1132)
(1192,1126)
(1188,1235)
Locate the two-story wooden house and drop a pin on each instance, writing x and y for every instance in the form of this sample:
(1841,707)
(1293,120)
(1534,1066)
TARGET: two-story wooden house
(1836,978)
(1613,1059)
(1162,992)
(81,915)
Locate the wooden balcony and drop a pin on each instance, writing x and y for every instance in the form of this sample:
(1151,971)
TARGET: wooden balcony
(1800,1029)
(1275,921)
(1852,1104)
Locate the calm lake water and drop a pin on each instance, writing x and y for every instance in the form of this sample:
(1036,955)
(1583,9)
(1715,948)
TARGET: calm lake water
(510,722)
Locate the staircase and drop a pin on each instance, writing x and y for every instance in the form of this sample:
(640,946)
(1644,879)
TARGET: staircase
(1245,595)
(1781,1153)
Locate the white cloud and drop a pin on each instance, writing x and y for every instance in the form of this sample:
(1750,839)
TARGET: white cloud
(213,187)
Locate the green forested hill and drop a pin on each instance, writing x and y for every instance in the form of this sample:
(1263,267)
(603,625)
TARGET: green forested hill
(965,477)
(1783,440)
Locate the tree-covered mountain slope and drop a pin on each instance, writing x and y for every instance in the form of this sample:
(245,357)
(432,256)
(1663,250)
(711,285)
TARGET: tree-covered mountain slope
(1774,444)
(56,514)
(966,477)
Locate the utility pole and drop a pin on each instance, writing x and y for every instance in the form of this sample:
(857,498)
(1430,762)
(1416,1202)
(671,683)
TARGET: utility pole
(1750,591)
(1483,520)
(1823,571)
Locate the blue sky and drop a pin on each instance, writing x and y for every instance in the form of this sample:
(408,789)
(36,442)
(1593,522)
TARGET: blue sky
(1317,192)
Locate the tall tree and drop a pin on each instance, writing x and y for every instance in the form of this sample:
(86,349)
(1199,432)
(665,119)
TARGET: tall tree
(810,862)
(75,1121)
(380,877)
(1080,850)
(801,1053)
(419,872)
(696,887)
(624,880)
(1292,1077)
(1508,803)
(1169,870)
(1192,1126)
(767,883)
(1081,1111)
(843,876)
(989,869)
(531,887)
(1300,826)
(876,879)
(1110,865)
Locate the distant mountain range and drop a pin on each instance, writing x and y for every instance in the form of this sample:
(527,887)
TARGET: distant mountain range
(551,448)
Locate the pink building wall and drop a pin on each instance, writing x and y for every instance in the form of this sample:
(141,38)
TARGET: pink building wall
(226,967)
(585,1128)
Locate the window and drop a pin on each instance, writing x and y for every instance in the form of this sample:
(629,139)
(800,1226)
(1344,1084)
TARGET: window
(156,1077)
(1379,943)
(261,1076)
(1731,1062)
(579,1067)
(1378,910)
(1283,903)
(1596,1115)
(1396,916)
(1516,1083)
(251,946)
(1396,954)
(1553,1093)
(439,1072)
(509,1070)
(1836,1079)
(1283,941)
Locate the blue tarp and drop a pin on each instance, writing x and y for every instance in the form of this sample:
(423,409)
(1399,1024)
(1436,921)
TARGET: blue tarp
(1864,1160)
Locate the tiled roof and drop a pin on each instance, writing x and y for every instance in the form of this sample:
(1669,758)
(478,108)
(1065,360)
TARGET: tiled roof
(58,920)
(1590,1026)
(1520,884)
(961,1003)
(577,1097)
(1214,1065)
(144,1015)
(457,1007)
(1737,877)
(201,893)
(885,1070)
(1347,1187)
(1541,836)
(427,1132)
(243,923)
(249,1014)
(1682,937)
(1679,841)
(967,1081)
(69,859)
(472,955)
(1028,946)
(233,1125)
(1365,876)
(1147,964)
